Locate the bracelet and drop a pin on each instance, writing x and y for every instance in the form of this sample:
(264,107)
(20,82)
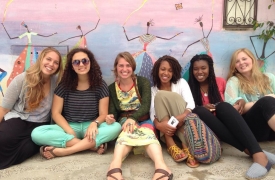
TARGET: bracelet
(189,110)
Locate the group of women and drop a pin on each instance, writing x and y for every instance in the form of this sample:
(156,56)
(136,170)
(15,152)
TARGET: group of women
(87,113)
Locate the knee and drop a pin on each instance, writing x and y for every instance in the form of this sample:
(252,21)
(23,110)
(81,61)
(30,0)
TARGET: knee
(200,110)
(267,100)
(37,135)
(223,106)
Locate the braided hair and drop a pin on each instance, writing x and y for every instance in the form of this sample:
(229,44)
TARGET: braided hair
(213,90)
(176,69)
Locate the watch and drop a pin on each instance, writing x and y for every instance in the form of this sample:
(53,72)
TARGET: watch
(97,122)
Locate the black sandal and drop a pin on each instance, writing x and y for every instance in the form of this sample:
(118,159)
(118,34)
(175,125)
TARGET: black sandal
(165,174)
(112,171)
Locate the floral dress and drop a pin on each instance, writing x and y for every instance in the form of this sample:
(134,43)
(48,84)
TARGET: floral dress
(143,133)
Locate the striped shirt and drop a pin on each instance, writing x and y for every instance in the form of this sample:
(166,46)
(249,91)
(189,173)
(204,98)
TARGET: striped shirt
(81,106)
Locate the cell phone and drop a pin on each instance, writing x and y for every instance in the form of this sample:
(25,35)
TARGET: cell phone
(173,121)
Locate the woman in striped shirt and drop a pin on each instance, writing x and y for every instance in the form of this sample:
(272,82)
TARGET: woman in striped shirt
(79,109)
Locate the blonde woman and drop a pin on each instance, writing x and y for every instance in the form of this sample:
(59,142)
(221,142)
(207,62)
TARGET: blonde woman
(251,92)
(26,105)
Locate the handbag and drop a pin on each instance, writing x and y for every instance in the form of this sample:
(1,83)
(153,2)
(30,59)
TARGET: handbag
(202,142)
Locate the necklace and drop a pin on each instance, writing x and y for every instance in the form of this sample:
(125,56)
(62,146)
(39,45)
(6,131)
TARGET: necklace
(204,93)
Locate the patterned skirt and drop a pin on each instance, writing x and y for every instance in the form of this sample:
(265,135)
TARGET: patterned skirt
(142,135)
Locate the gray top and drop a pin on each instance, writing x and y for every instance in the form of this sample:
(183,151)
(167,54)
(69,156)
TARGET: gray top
(15,101)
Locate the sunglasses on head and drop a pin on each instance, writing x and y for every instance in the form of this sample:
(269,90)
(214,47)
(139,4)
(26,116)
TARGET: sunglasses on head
(84,61)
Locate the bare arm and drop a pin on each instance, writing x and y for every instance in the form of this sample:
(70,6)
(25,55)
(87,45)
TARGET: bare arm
(250,37)
(93,29)
(47,36)
(3,112)
(57,108)
(8,33)
(169,38)
(189,46)
(211,27)
(127,36)
(92,130)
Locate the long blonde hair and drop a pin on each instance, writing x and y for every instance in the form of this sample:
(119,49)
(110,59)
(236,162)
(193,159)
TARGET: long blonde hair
(35,80)
(262,81)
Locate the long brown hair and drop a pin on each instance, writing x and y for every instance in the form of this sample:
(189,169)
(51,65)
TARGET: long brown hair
(34,80)
(248,87)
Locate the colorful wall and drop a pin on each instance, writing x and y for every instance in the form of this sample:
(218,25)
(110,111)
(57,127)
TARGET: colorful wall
(105,20)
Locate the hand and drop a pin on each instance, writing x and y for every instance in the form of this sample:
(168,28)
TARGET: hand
(239,106)
(165,128)
(91,131)
(129,125)
(110,119)
(210,107)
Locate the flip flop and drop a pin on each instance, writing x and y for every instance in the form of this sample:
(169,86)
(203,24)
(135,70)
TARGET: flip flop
(42,150)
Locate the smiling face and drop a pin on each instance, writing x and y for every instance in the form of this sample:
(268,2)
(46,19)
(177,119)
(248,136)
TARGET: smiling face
(201,70)
(81,63)
(243,64)
(165,72)
(124,69)
(50,63)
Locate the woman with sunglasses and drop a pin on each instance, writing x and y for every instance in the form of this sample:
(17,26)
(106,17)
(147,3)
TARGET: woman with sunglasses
(26,105)
(79,109)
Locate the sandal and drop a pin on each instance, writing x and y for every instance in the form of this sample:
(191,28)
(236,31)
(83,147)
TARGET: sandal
(175,151)
(42,150)
(112,171)
(191,161)
(165,174)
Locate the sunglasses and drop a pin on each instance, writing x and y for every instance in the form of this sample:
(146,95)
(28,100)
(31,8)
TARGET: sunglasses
(84,61)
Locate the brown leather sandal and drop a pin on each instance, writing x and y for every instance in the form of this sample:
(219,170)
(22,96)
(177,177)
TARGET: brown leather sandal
(112,171)
(165,174)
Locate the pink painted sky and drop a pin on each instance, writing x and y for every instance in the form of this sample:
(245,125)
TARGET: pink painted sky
(114,11)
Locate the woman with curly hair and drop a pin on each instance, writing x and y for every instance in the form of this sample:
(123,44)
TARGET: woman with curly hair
(221,117)
(26,105)
(171,96)
(79,109)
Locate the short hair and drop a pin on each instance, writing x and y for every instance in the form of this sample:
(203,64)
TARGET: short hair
(176,69)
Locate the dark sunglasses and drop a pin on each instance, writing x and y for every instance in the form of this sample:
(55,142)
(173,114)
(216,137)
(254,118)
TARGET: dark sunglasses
(84,61)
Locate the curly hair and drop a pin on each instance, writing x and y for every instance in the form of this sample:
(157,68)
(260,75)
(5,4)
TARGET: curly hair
(34,79)
(176,69)
(129,58)
(70,77)
(213,90)
(263,84)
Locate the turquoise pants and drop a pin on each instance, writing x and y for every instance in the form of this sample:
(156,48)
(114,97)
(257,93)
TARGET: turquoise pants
(54,135)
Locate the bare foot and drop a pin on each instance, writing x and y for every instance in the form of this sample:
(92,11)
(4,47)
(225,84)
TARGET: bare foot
(101,149)
(162,172)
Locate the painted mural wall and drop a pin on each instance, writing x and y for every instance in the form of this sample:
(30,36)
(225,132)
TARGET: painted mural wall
(108,27)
